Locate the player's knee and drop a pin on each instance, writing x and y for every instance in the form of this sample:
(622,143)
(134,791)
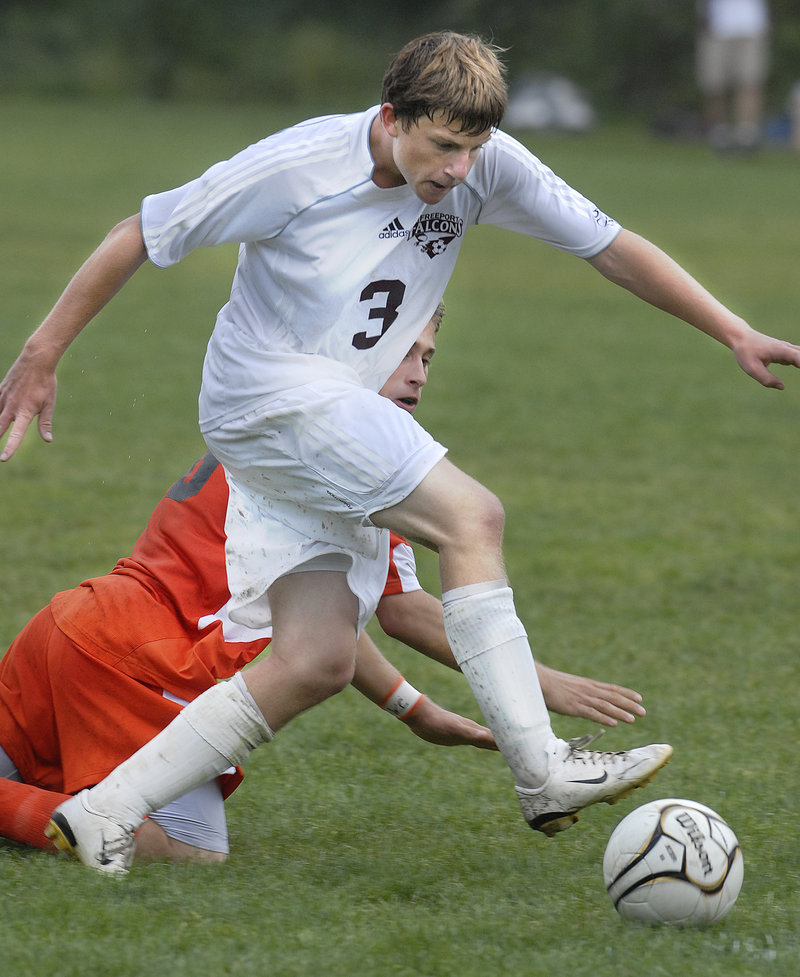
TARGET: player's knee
(493,516)
(326,675)
(482,518)
(337,675)
(340,673)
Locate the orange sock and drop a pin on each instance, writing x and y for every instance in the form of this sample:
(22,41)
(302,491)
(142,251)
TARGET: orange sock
(25,811)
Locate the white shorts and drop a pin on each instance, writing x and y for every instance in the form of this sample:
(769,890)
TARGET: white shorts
(197,818)
(306,471)
(726,63)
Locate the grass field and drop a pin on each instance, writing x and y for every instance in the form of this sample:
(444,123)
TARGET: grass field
(651,493)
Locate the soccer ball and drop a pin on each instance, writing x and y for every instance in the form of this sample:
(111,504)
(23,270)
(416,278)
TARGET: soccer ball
(673,861)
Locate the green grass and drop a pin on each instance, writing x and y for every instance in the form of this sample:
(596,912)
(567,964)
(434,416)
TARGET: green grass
(652,539)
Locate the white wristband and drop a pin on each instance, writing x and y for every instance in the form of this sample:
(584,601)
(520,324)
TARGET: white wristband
(402,700)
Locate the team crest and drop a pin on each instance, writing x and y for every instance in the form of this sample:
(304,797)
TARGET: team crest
(433,232)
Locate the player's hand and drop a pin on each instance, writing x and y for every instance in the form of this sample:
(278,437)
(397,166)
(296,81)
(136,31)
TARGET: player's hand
(28,390)
(754,353)
(574,695)
(436,725)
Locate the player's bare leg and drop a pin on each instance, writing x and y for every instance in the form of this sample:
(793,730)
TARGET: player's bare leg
(153,842)
(317,616)
(463,521)
(313,651)
(748,110)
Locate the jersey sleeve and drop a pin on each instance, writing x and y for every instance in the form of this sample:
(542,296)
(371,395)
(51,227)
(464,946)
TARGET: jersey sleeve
(520,193)
(402,577)
(231,202)
(250,197)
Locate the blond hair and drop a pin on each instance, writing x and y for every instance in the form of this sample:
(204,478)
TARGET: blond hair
(437,317)
(456,75)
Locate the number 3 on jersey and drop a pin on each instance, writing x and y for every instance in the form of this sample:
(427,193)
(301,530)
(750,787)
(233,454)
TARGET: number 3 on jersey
(394,291)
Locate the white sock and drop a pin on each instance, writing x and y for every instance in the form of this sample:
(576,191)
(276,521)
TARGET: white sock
(219,729)
(490,644)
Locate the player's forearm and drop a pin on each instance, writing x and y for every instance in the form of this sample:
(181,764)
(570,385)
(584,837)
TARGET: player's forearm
(374,676)
(100,277)
(415,618)
(646,271)
(380,681)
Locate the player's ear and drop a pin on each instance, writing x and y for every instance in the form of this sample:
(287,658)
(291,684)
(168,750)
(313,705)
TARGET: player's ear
(389,119)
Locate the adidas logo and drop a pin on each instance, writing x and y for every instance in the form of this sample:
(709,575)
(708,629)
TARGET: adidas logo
(395,229)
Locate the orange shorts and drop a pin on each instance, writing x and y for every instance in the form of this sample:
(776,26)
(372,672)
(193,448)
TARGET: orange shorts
(66,718)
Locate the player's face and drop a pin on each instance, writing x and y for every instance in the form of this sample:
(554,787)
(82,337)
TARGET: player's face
(430,156)
(404,386)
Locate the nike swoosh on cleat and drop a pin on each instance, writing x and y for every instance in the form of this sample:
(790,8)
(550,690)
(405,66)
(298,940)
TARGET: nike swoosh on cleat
(597,780)
(103,858)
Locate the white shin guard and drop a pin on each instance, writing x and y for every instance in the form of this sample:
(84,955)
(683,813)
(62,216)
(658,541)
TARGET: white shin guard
(217,730)
(490,644)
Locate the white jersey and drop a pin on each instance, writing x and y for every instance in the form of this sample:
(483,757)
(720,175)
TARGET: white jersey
(334,266)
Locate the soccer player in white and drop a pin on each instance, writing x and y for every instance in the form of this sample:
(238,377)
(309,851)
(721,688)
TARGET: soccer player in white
(349,228)
(147,634)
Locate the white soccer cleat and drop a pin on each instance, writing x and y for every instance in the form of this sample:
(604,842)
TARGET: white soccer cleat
(580,777)
(98,841)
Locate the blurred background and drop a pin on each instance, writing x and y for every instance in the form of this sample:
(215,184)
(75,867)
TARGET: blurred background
(651,489)
(619,58)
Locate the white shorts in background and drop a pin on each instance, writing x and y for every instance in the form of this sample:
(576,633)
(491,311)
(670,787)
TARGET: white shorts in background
(306,471)
(726,63)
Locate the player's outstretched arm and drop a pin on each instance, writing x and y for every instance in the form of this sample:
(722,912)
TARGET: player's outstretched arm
(29,387)
(377,679)
(639,266)
(415,618)
(575,695)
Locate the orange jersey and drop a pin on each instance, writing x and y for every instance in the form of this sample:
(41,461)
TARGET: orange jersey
(108,664)
(159,616)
